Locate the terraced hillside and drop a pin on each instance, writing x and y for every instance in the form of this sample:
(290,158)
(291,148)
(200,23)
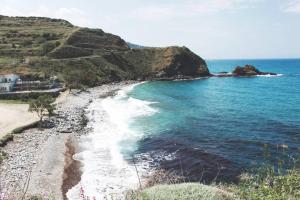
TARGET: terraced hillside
(42,47)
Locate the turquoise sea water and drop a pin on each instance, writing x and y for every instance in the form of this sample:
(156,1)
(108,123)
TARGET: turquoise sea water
(220,125)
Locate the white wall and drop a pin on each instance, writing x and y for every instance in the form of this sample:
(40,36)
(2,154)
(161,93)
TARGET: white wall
(6,87)
(7,82)
(9,77)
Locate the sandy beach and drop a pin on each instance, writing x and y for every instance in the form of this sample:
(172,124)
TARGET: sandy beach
(39,160)
(13,116)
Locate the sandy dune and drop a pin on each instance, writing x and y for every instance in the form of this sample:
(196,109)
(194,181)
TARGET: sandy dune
(13,116)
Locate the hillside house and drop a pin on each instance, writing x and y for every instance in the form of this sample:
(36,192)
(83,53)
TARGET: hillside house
(8,82)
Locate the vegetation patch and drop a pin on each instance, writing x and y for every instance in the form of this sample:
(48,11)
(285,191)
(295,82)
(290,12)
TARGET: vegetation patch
(42,106)
(183,191)
(268,185)
(5,139)
(3,156)
(24,128)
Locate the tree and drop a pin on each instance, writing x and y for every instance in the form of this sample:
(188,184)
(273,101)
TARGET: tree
(72,79)
(79,79)
(50,110)
(43,105)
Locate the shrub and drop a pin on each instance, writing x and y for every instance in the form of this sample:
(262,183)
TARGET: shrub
(47,47)
(266,185)
(57,43)
(4,140)
(272,182)
(35,198)
(184,191)
(3,156)
(26,43)
(24,128)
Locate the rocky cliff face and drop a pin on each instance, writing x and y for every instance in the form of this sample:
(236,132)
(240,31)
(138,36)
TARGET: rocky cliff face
(46,46)
(164,63)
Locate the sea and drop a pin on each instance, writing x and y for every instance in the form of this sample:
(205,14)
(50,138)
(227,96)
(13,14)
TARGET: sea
(205,130)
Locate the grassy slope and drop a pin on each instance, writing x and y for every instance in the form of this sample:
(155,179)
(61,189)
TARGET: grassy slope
(268,185)
(42,46)
(25,37)
(184,191)
(265,184)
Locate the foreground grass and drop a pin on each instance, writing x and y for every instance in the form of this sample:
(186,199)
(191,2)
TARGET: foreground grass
(184,191)
(267,185)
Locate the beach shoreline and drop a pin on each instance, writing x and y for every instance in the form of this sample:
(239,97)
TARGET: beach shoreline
(106,172)
(40,160)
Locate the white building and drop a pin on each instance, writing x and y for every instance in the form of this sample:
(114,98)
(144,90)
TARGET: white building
(8,81)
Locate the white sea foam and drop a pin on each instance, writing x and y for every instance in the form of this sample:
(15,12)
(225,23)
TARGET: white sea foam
(106,174)
(269,75)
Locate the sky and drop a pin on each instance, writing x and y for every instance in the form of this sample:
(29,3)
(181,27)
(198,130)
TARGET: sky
(214,29)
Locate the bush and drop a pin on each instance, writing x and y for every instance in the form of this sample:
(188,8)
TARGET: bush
(47,47)
(35,198)
(4,140)
(26,43)
(279,181)
(3,156)
(24,128)
(266,185)
(184,191)
(57,43)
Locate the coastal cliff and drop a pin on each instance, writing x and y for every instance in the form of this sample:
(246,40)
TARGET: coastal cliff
(40,47)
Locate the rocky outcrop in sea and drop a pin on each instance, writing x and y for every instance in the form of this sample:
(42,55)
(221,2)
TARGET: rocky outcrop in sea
(246,71)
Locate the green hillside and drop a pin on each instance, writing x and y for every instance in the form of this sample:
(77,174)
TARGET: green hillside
(42,47)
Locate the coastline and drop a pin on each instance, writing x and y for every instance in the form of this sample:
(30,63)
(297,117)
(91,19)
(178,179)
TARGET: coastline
(106,174)
(45,155)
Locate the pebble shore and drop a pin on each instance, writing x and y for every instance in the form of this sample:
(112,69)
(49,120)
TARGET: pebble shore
(40,154)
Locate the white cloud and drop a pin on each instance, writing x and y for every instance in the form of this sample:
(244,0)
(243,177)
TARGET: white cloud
(189,8)
(74,15)
(293,6)
(8,10)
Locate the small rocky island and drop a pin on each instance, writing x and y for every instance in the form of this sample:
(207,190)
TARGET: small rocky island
(246,71)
